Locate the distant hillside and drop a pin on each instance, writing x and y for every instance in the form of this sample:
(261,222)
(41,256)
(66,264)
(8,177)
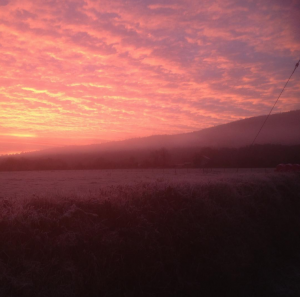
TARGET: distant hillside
(282,128)
(226,146)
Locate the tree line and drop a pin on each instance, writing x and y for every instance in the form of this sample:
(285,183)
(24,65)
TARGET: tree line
(257,156)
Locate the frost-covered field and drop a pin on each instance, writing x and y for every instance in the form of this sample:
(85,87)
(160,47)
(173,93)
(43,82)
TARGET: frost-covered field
(150,233)
(86,182)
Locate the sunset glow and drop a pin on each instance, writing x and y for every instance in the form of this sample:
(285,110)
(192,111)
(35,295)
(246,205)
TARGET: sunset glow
(83,71)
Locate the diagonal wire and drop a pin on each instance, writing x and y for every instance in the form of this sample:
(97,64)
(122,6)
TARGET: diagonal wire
(296,66)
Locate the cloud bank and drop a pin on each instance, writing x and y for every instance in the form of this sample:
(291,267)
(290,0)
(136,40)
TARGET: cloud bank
(84,71)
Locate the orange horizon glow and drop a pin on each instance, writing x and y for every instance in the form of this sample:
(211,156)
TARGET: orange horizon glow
(81,72)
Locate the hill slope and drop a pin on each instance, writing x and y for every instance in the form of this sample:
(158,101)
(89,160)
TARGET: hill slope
(283,128)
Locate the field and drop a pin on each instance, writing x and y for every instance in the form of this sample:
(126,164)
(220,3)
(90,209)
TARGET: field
(87,182)
(150,233)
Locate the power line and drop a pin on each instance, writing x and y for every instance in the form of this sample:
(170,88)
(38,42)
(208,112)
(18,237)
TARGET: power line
(296,66)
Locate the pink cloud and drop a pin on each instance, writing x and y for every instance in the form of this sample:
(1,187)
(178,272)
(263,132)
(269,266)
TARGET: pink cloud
(92,70)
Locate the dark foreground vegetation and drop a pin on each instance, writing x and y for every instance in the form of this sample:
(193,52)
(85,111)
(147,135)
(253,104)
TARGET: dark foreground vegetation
(258,156)
(237,238)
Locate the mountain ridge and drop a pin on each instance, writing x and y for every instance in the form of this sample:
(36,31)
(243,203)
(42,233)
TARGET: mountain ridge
(281,128)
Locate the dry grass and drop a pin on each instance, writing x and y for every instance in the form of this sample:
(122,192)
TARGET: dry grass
(222,238)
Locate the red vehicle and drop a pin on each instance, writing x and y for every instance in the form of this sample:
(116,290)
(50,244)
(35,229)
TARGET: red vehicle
(287,167)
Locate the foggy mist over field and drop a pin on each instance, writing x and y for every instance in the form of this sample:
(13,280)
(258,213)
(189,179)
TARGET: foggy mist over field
(224,146)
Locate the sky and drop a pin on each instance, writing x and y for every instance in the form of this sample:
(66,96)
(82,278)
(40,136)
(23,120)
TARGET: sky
(84,71)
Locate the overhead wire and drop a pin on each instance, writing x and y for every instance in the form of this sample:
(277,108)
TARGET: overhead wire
(296,66)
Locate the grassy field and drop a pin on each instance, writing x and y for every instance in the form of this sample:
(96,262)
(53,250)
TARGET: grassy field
(18,184)
(238,236)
